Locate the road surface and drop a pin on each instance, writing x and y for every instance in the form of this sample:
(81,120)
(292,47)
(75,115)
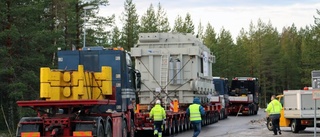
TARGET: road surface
(244,126)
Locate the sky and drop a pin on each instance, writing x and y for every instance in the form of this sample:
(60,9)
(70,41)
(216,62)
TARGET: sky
(232,15)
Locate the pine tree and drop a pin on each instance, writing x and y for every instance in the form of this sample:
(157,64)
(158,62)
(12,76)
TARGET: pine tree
(178,25)
(188,26)
(200,31)
(162,20)
(130,28)
(116,38)
(149,21)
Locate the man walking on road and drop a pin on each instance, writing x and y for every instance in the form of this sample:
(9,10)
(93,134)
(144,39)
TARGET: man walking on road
(273,110)
(195,111)
(159,117)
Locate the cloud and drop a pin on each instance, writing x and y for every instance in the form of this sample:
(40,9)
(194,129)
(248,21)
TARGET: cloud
(230,14)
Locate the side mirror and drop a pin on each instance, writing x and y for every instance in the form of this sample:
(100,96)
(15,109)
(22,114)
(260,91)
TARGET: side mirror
(138,79)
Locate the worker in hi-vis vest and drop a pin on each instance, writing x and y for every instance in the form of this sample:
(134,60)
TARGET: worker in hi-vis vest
(195,111)
(158,114)
(274,108)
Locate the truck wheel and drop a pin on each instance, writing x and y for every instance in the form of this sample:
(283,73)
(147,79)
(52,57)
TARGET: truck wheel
(295,126)
(269,124)
(124,128)
(109,130)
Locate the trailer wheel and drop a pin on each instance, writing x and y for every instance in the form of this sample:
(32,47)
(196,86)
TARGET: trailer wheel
(181,126)
(177,126)
(185,124)
(216,117)
(225,114)
(124,128)
(170,128)
(132,132)
(101,130)
(109,130)
(295,126)
(188,124)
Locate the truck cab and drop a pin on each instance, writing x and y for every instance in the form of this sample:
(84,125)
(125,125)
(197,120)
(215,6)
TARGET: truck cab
(222,87)
(124,77)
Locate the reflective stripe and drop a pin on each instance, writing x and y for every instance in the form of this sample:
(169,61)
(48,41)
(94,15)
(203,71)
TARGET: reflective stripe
(276,107)
(30,134)
(82,133)
(195,112)
(157,113)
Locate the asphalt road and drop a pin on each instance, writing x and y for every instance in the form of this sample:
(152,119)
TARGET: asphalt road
(244,126)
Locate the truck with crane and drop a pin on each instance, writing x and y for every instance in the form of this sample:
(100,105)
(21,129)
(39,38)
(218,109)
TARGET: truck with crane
(298,107)
(244,96)
(98,92)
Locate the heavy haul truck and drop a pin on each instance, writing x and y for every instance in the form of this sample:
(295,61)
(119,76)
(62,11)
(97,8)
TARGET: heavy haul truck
(92,93)
(244,96)
(98,92)
(175,68)
(222,87)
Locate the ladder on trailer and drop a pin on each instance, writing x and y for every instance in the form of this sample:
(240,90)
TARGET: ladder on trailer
(164,70)
(164,75)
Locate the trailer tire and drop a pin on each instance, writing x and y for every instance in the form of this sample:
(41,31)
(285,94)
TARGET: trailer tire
(167,129)
(185,124)
(132,132)
(295,126)
(124,128)
(177,126)
(173,127)
(171,131)
(109,130)
(188,123)
(181,125)
(100,130)
(225,114)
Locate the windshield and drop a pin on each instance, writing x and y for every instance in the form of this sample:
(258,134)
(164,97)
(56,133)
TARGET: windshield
(128,60)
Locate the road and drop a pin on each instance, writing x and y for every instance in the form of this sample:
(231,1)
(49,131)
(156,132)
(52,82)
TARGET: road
(244,126)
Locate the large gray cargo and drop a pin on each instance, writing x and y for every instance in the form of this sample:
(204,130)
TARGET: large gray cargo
(173,66)
(299,104)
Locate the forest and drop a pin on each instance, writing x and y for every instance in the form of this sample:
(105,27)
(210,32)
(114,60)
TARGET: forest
(32,30)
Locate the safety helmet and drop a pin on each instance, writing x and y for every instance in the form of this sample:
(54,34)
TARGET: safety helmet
(158,102)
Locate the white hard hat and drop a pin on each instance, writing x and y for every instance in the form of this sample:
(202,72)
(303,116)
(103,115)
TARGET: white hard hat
(158,102)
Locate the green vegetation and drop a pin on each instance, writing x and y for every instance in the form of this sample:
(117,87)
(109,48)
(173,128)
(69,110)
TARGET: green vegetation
(31,31)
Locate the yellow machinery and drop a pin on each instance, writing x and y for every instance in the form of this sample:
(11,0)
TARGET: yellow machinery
(75,85)
(284,122)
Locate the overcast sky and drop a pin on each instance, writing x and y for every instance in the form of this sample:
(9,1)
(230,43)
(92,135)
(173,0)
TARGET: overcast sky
(230,14)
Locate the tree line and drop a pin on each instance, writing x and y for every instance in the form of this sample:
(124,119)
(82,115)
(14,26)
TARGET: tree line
(32,30)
